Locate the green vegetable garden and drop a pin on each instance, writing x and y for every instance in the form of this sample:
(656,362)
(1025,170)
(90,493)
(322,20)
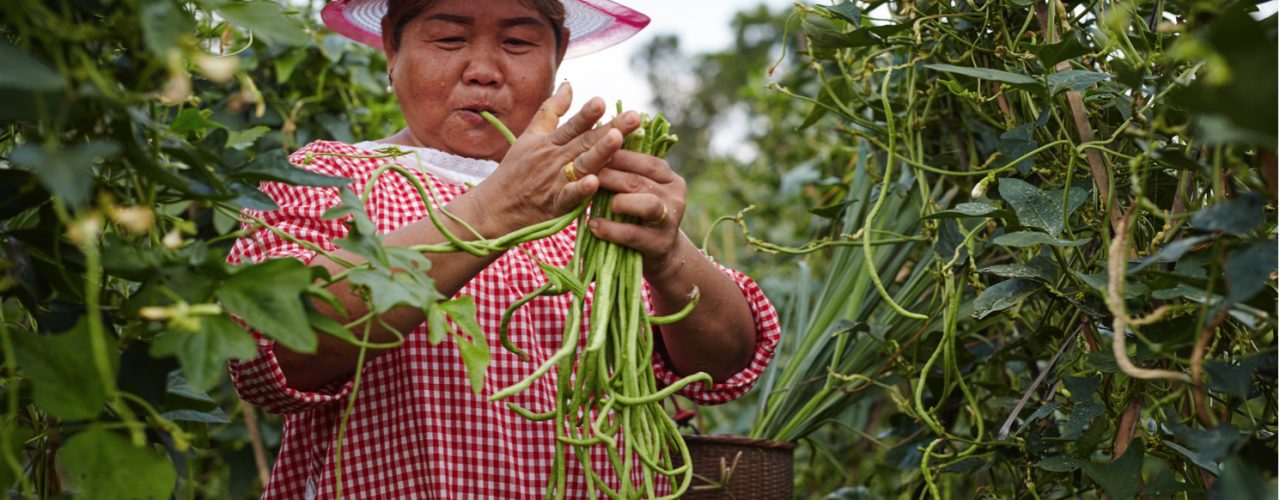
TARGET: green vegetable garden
(1019,248)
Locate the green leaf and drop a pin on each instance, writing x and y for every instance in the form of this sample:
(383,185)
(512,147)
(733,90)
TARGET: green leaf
(193,120)
(203,353)
(23,72)
(970,209)
(244,139)
(1015,143)
(266,20)
(1208,447)
(250,197)
(1037,269)
(1051,54)
(274,166)
(824,36)
(994,75)
(1234,99)
(1081,388)
(1249,270)
(333,46)
(833,211)
(63,371)
(1163,483)
(1231,379)
(1240,480)
(1040,413)
(1082,415)
(18,436)
(1024,239)
(473,346)
(1065,462)
(104,465)
(1074,79)
(1132,289)
(1175,157)
(164,25)
(1168,253)
(1003,295)
(268,296)
(1120,478)
(389,291)
(286,63)
(67,172)
(437,326)
(330,326)
(1041,208)
(1235,216)
(848,11)
(827,37)
(352,205)
(214,416)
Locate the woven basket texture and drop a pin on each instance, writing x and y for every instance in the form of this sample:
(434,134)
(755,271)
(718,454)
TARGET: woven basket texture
(740,468)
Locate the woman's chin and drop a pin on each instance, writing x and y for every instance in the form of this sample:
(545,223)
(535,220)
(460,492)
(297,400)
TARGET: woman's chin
(480,148)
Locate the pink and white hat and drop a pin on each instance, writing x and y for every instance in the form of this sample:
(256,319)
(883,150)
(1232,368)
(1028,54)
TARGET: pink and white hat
(593,24)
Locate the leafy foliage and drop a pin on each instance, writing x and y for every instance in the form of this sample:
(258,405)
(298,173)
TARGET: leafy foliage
(1076,248)
(132,135)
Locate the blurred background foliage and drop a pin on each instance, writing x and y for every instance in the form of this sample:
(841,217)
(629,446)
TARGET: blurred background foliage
(130,130)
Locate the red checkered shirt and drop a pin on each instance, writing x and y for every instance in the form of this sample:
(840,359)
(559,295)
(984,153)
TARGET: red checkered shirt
(417,429)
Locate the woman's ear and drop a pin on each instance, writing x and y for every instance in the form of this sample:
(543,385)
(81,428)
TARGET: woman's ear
(391,54)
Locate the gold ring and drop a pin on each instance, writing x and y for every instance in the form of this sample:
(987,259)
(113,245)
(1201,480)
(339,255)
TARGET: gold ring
(570,172)
(661,218)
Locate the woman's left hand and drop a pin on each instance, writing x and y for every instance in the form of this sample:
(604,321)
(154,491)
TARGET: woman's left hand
(649,190)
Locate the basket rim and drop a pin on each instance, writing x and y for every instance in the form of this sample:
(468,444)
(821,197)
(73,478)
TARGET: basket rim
(733,439)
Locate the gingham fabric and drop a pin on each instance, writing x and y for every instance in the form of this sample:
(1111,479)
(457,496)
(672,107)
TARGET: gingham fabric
(417,430)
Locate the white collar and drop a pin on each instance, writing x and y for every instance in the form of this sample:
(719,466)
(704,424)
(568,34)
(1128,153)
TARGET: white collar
(454,169)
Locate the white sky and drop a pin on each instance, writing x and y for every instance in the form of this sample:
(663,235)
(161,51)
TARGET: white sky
(703,25)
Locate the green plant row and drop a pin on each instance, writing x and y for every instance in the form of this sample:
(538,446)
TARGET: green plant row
(1050,267)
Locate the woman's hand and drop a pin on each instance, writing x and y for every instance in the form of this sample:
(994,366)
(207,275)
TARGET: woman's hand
(649,190)
(531,184)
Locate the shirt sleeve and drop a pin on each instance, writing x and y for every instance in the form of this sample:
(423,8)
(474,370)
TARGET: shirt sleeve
(260,381)
(768,331)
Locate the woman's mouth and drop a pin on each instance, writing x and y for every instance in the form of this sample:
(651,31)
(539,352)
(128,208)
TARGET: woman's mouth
(472,114)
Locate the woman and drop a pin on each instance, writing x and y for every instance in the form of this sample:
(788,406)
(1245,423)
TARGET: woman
(417,429)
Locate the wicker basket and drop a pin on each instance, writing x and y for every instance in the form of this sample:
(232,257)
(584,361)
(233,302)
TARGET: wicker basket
(740,468)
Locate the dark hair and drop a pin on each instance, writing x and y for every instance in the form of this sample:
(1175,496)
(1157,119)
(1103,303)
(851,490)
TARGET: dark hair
(400,12)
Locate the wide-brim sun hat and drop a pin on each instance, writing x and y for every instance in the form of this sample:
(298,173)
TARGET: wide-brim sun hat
(593,24)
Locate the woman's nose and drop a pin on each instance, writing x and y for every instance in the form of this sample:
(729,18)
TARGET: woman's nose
(483,69)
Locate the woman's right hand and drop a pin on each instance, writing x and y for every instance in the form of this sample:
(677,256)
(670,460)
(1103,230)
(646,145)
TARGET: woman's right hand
(531,185)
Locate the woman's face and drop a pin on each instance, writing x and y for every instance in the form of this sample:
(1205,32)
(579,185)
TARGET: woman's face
(460,57)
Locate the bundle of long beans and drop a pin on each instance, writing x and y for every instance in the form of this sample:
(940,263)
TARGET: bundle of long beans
(612,399)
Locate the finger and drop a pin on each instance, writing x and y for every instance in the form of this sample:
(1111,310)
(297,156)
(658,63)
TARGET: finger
(620,181)
(647,208)
(624,123)
(628,235)
(644,165)
(581,122)
(576,193)
(598,156)
(548,115)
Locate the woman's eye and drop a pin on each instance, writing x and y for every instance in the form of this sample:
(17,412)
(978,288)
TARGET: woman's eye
(518,42)
(450,40)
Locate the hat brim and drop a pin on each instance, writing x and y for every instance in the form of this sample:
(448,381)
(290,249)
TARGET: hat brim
(593,24)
